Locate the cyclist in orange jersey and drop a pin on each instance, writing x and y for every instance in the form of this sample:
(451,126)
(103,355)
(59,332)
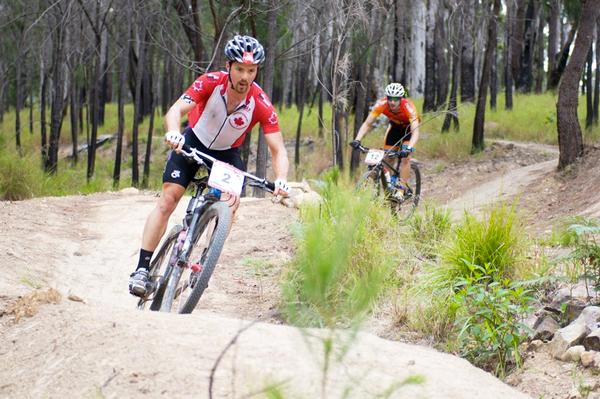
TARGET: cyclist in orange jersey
(403,130)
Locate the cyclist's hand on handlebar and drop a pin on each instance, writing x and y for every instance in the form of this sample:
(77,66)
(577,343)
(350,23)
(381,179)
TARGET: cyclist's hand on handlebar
(175,139)
(355,143)
(281,188)
(403,153)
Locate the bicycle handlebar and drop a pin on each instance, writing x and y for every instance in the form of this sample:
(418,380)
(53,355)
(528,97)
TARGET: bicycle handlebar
(389,152)
(199,157)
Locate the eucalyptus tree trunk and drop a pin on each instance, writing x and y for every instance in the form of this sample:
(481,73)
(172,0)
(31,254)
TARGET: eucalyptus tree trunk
(303,72)
(267,85)
(30,89)
(518,36)
(494,79)
(74,105)
(589,115)
(430,59)
(137,109)
(597,81)
(467,63)
(58,97)
(322,49)
(452,113)
(553,32)
(361,109)
(539,52)
(189,16)
(123,62)
(103,91)
(478,126)
(441,60)
(562,59)
(415,47)
(524,80)
(570,140)
(147,157)
(18,101)
(43,93)
(509,40)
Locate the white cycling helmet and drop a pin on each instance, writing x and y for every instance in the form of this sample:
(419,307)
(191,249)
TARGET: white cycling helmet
(394,90)
(245,49)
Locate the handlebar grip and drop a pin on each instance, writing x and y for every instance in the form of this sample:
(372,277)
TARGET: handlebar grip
(270,185)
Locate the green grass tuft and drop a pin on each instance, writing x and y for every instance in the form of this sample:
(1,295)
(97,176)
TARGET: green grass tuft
(342,264)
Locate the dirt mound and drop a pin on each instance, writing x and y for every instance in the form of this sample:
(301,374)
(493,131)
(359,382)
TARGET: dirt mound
(98,344)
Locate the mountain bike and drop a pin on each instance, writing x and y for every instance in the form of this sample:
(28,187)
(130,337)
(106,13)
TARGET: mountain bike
(402,196)
(185,261)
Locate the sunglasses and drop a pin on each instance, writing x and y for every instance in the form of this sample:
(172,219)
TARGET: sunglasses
(393,99)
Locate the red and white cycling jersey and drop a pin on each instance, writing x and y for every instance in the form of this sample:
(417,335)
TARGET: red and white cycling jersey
(209,119)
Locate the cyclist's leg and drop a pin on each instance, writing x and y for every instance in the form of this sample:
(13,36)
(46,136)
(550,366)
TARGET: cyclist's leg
(177,175)
(393,137)
(405,164)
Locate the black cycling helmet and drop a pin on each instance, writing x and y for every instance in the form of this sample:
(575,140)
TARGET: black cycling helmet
(245,49)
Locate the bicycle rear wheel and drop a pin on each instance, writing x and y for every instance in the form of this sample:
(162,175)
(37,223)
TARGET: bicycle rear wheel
(160,269)
(404,206)
(186,286)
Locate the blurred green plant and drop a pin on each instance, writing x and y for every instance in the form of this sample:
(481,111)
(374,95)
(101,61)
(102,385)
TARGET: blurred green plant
(489,319)
(429,226)
(341,264)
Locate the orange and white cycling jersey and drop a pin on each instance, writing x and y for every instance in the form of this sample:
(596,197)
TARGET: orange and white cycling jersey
(403,116)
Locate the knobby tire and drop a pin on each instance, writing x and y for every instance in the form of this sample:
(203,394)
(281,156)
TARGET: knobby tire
(220,213)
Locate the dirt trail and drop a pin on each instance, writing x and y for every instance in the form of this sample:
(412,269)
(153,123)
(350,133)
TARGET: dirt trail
(85,246)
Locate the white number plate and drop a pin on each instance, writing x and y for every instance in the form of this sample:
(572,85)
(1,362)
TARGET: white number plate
(226,178)
(373,157)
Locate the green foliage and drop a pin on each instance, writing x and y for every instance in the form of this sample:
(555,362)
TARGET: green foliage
(565,235)
(495,240)
(587,250)
(341,263)
(488,318)
(532,119)
(19,179)
(477,262)
(429,227)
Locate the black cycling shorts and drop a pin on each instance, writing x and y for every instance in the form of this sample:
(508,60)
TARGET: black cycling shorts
(397,135)
(181,171)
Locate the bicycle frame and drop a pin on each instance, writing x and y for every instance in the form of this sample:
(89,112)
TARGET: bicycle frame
(200,206)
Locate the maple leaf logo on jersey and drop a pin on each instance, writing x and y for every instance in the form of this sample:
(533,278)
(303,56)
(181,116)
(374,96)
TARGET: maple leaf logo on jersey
(198,85)
(238,121)
(273,118)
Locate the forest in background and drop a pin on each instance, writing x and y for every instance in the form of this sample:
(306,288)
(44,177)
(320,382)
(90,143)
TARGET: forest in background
(63,61)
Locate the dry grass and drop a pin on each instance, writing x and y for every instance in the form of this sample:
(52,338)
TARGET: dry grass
(28,305)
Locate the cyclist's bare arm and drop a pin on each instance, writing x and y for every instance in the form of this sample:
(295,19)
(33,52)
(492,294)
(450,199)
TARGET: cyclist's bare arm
(173,116)
(365,127)
(280,158)
(414,129)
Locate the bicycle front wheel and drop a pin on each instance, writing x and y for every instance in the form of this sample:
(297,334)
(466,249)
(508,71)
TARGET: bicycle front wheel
(370,181)
(210,234)
(404,206)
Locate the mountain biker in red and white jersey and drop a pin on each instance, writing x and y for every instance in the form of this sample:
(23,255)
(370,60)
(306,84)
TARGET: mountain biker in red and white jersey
(403,128)
(222,107)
